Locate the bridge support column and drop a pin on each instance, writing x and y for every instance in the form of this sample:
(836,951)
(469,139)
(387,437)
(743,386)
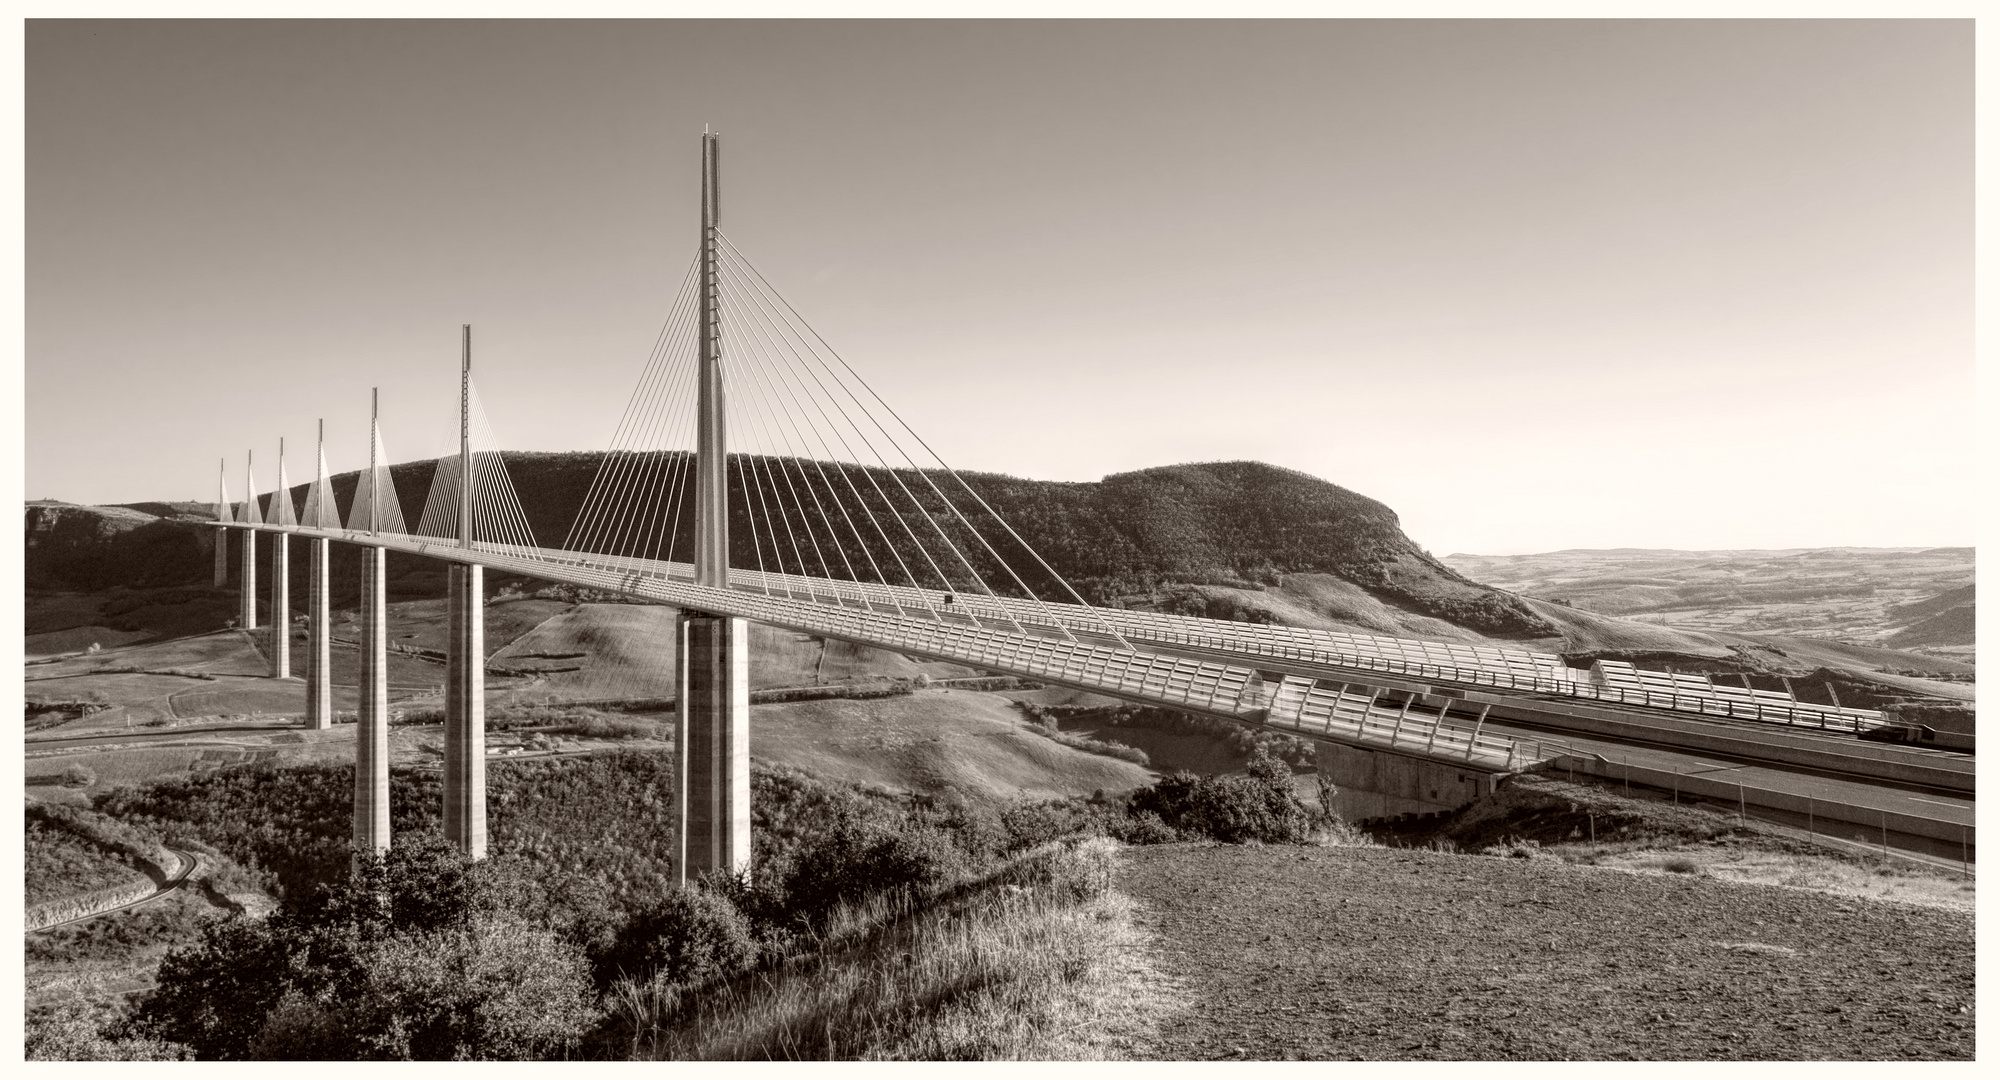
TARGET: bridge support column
(319,681)
(247,588)
(221,557)
(281,607)
(712,744)
(371,727)
(465,714)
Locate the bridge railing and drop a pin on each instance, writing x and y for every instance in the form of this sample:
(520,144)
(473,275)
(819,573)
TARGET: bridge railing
(1507,669)
(1452,662)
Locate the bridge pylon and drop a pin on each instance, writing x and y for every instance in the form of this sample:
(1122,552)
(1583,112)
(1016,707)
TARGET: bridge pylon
(247,585)
(465,657)
(319,677)
(712,667)
(280,631)
(221,515)
(371,720)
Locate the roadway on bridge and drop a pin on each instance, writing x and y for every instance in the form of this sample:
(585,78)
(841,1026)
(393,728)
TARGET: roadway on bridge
(1948,808)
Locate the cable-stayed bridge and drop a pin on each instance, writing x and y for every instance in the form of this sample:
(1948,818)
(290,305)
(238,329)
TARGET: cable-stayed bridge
(756,476)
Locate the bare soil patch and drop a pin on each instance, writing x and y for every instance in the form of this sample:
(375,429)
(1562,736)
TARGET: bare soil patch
(1377,953)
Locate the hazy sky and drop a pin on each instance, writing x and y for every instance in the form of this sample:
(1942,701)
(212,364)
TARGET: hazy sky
(1534,285)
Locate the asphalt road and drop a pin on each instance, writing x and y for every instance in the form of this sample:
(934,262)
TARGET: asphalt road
(190,862)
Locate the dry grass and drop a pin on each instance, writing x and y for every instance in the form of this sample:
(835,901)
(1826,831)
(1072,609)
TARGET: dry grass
(1840,876)
(999,972)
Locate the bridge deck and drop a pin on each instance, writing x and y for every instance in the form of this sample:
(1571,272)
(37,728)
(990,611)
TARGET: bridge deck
(851,611)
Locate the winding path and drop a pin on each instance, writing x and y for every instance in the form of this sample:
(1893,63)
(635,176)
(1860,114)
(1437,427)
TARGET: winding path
(190,862)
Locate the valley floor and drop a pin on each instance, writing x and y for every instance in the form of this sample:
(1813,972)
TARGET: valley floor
(1358,953)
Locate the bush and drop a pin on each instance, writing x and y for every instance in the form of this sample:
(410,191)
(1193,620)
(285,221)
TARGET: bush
(687,937)
(1143,827)
(1232,809)
(418,954)
(1068,872)
(1032,823)
(495,989)
(854,861)
(1045,726)
(76,1032)
(78,776)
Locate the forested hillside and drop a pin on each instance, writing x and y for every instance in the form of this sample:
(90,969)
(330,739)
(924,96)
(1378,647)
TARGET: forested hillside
(1119,540)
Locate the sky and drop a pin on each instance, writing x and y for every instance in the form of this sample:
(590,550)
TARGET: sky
(1534,285)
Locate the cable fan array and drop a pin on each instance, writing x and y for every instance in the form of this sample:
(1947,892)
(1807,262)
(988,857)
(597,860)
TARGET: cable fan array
(826,482)
(497,519)
(370,513)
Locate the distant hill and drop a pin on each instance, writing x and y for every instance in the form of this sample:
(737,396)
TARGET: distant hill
(1943,620)
(1128,538)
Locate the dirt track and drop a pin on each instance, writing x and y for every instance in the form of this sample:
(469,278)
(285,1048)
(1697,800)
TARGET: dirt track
(1371,954)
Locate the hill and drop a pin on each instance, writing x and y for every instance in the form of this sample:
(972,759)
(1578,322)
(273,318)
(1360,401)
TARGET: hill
(1901,598)
(1130,537)
(1231,540)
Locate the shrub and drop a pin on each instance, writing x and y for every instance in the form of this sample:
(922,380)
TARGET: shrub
(495,989)
(1143,827)
(1067,872)
(853,861)
(1232,809)
(77,1032)
(688,937)
(1032,823)
(77,775)
(418,954)
(1045,726)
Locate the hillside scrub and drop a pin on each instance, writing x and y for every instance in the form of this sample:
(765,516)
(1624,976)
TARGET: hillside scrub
(1259,807)
(421,954)
(1241,739)
(57,863)
(1044,724)
(122,935)
(1004,966)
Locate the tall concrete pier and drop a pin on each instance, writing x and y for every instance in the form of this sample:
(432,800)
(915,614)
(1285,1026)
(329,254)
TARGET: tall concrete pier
(247,586)
(712,743)
(465,659)
(712,674)
(319,679)
(371,727)
(281,575)
(280,631)
(465,714)
(320,514)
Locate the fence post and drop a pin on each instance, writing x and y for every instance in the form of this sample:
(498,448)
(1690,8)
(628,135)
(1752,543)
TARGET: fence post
(1741,817)
(1810,835)
(1627,765)
(1885,835)
(1964,860)
(1677,787)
